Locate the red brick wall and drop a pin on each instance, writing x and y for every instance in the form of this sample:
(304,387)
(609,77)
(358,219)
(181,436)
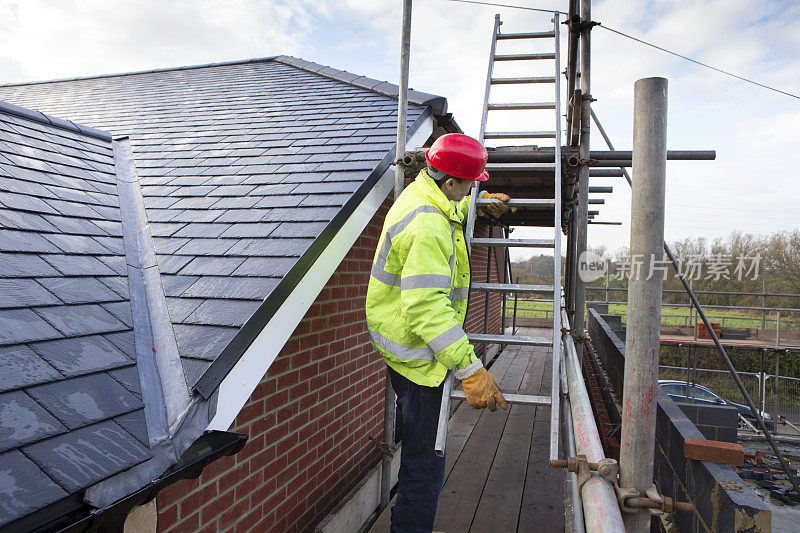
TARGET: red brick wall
(308,421)
(309,418)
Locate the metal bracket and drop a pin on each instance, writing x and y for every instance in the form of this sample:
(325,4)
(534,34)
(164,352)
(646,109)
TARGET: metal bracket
(622,498)
(386,449)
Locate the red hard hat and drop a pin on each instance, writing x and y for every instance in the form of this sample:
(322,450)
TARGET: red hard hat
(459,155)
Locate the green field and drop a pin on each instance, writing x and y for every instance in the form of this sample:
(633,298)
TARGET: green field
(669,315)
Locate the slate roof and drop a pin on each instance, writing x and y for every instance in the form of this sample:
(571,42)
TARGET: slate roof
(71,411)
(247,169)
(242,167)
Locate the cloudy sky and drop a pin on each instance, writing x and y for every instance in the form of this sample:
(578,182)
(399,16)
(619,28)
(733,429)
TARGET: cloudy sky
(753,186)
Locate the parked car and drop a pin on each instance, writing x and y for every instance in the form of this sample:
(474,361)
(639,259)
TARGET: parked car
(680,392)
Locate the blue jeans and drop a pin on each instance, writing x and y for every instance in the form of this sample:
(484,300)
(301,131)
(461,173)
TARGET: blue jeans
(421,471)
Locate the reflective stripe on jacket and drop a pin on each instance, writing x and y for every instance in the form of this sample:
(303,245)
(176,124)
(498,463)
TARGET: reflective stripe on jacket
(418,288)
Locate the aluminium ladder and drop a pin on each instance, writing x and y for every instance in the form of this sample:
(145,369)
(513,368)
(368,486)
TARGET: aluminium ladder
(555,244)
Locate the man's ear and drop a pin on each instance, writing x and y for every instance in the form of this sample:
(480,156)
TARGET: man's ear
(449,182)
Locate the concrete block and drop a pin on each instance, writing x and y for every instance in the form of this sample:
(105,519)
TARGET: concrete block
(714,451)
(727,434)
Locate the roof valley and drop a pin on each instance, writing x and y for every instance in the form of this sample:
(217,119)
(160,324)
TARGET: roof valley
(169,409)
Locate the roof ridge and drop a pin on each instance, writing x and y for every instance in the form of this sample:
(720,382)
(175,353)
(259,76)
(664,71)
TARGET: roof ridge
(149,71)
(437,103)
(42,118)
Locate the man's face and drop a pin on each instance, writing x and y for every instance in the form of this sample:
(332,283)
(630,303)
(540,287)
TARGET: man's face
(456,191)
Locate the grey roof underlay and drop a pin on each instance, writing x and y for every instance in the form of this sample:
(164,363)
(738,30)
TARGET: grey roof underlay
(242,166)
(246,170)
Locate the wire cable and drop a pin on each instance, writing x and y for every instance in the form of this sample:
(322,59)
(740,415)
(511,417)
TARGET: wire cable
(662,49)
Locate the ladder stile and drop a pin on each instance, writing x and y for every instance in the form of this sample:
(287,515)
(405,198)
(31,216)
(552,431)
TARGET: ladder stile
(555,392)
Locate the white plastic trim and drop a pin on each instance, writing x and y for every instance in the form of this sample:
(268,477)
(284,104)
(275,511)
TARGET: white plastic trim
(243,378)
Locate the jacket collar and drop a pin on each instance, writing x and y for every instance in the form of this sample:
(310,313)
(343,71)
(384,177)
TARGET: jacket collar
(434,194)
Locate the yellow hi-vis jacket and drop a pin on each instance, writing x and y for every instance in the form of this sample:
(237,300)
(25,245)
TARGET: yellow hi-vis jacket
(418,288)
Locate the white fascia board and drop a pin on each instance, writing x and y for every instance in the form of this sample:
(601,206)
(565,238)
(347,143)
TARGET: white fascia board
(241,381)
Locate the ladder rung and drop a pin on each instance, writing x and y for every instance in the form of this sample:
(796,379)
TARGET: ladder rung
(520,167)
(521,202)
(519,340)
(518,243)
(502,81)
(510,287)
(524,57)
(520,106)
(520,135)
(511,399)
(538,35)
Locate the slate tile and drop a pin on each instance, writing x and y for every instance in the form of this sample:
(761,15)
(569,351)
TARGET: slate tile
(11,219)
(283,200)
(348,176)
(76,244)
(121,311)
(109,226)
(79,226)
(114,245)
(206,247)
(299,229)
(235,202)
(73,320)
(197,215)
(203,342)
(165,229)
(23,325)
(24,293)
(25,487)
(245,230)
(232,190)
(20,367)
(108,213)
(202,230)
(86,456)
(243,215)
(201,202)
(328,187)
(168,245)
(247,288)
(219,266)
(161,215)
(265,266)
(337,200)
(81,355)
(77,265)
(77,290)
(172,264)
(301,214)
(180,308)
(72,209)
(194,369)
(25,241)
(192,190)
(128,377)
(23,421)
(135,424)
(25,202)
(232,313)
(257,178)
(175,285)
(270,247)
(81,401)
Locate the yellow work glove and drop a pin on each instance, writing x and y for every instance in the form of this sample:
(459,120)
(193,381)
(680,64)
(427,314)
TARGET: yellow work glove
(495,209)
(482,391)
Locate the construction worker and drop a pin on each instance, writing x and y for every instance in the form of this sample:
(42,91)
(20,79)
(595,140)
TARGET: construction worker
(416,305)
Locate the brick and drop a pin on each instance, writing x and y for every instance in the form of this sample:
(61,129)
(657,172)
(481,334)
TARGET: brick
(714,451)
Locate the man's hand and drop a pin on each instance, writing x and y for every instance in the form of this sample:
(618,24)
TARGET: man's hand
(497,208)
(482,391)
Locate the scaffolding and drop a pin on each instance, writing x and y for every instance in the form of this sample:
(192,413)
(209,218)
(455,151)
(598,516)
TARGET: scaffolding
(551,188)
